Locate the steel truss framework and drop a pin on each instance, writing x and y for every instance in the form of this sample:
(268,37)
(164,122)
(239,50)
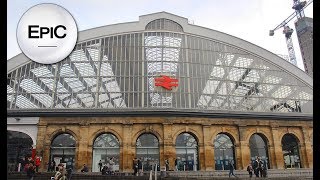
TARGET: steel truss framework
(117,72)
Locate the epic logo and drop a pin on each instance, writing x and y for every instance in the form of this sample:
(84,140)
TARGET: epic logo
(47,33)
(46,30)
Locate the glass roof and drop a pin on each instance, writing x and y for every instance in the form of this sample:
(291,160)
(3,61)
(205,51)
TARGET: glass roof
(118,72)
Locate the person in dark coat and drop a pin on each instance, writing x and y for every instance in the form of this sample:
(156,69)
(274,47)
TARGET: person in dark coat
(135,166)
(139,166)
(53,166)
(84,168)
(258,167)
(231,168)
(100,165)
(167,164)
(250,170)
(69,173)
(31,171)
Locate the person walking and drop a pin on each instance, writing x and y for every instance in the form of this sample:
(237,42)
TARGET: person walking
(37,162)
(111,163)
(231,168)
(140,167)
(176,164)
(31,171)
(167,164)
(258,165)
(100,165)
(84,168)
(135,166)
(69,173)
(53,166)
(61,173)
(250,170)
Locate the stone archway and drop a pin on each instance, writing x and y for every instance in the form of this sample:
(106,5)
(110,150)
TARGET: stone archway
(19,146)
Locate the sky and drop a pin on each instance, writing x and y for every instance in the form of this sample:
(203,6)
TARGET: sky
(250,20)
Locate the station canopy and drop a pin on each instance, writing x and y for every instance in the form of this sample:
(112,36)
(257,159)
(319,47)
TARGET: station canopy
(118,71)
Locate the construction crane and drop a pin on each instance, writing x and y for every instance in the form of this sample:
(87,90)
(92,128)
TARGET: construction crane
(287,31)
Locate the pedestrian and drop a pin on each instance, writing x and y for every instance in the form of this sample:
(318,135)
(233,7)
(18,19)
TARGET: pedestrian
(264,170)
(250,170)
(100,165)
(30,171)
(48,166)
(84,168)
(37,163)
(53,166)
(167,164)
(61,173)
(111,163)
(104,170)
(69,173)
(135,166)
(231,168)
(140,166)
(176,164)
(257,167)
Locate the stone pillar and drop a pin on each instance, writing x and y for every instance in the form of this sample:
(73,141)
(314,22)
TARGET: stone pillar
(128,150)
(42,128)
(277,155)
(306,149)
(82,154)
(244,149)
(272,158)
(169,151)
(209,164)
(202,159)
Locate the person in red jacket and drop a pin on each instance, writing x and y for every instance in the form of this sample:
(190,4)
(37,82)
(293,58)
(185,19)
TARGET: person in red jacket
(37,163)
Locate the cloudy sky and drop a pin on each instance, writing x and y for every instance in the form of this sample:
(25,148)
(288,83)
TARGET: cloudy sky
(250,20)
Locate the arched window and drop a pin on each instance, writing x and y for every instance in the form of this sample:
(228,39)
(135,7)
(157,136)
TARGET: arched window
(164,24)
(223,152)
(63,148)
(147,148)
(259,148)
(19,146)
(105,147)
(187,152)
(290,149)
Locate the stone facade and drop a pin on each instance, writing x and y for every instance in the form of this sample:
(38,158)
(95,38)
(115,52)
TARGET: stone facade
(166,129)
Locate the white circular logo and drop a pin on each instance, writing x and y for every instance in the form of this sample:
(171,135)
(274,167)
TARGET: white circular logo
(47,33)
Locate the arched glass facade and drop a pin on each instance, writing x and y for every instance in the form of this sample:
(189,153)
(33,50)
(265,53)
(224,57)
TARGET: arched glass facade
(105,146)
(187,152)
(259,148)
(291,153)
(19,146)
(119,72)
(62,150)
(147,148)
(223,152)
